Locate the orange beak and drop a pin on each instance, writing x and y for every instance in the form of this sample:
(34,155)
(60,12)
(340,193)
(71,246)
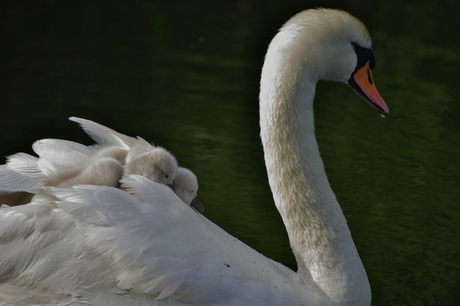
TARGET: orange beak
(362,83)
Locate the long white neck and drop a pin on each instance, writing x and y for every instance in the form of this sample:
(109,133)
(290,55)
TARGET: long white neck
(317,229)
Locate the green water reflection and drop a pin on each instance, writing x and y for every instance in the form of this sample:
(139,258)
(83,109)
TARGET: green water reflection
(185,76)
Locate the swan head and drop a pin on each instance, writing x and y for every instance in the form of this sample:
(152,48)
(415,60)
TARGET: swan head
(157,165)
(330,45)
(185,185)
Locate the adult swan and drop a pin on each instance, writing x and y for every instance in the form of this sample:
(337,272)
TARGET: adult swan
(100,245)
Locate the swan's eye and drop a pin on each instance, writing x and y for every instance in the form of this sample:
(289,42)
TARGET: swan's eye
(372,60)
(364,55)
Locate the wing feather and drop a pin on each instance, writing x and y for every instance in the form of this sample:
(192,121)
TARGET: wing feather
(104,135)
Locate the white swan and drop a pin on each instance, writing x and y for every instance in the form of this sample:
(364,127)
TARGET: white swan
(103,246)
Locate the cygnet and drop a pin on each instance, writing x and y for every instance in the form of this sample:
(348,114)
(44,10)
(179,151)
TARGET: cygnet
(117,153)
(157,165)
(104,167)
(103,171)
(185,185)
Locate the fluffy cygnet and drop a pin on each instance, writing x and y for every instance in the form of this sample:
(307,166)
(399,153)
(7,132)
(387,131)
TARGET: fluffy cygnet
(157,165)
(139,147)
(104,167)
(185,185)
(116,153)
(103,171)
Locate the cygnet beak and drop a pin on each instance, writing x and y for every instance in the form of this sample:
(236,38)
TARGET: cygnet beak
(197,204)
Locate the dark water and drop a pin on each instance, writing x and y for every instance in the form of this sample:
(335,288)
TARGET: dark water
(185,76)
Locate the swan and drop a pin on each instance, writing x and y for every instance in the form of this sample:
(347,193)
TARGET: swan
(185,185)
(100,245)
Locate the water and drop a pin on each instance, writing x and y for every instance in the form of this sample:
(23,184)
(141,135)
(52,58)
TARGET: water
(185,76)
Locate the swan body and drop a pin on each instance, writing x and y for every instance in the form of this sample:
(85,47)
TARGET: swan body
(139,245)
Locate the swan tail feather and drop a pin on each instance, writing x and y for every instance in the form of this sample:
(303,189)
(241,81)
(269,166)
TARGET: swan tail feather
(62,154)
(25,164)
(13,181)
(104,135)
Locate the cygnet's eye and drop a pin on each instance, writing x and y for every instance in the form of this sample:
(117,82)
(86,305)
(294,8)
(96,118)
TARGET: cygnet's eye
(164,173)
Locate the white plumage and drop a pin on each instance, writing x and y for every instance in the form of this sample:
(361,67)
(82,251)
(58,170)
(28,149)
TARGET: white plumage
(139,245)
